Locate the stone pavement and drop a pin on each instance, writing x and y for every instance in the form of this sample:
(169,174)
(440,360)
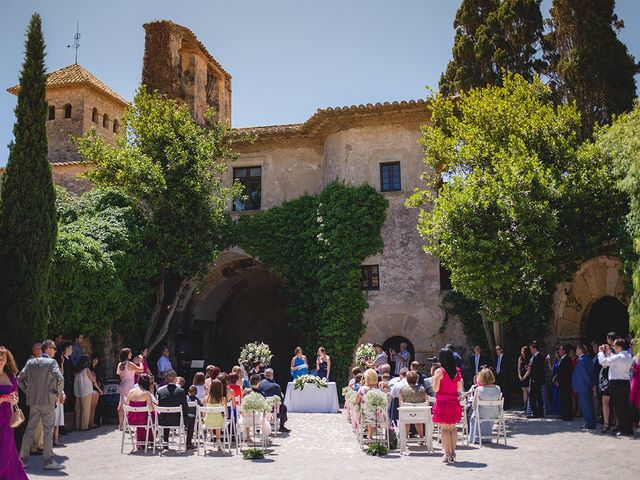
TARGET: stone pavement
(322,446)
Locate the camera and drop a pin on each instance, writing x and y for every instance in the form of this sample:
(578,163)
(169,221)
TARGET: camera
(432,359)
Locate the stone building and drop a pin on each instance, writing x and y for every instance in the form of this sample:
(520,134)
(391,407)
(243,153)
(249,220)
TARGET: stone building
(78,102)
(240,300)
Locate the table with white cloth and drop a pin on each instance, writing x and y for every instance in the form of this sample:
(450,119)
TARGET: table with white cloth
(312,399)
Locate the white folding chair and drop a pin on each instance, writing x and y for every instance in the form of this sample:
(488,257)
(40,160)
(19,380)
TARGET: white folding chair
(132,428)
(415,413)
(204,435)
(463,425)
(254,422)
(380,423)
(191,404)
(275,410)
(497,419)
(177,433)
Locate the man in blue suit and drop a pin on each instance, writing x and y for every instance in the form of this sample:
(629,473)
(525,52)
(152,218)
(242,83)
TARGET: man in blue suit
(583,380)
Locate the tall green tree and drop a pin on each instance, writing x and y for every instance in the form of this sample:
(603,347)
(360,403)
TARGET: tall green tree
(496,158)
(493,36)
(28,225)
(588,64)
(173,168)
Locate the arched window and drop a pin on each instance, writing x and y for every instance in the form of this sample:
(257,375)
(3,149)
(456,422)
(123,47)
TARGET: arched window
(67,111)
(94,115)
(116,125)
(52,112)
(105,121)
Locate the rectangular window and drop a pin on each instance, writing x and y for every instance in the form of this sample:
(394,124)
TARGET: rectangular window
(251,179)
(445,278)
(390,177)
(370,277)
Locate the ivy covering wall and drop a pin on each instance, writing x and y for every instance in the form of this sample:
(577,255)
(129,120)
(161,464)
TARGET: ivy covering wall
(317,245)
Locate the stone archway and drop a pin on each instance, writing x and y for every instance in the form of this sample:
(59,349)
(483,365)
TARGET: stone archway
(241,302)
(595,279)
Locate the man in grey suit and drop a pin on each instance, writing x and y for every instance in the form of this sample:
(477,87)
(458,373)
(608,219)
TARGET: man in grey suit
(43,384)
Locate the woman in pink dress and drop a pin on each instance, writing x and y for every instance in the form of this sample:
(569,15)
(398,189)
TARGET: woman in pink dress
(10,464)
(634,397)
(447,411)
(126,370)
(140,396)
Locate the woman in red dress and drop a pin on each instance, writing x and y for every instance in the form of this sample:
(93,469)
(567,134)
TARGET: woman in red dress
(447,411)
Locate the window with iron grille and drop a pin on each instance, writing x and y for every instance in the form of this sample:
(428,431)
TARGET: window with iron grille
(251,179)
(390,177)
(370,277)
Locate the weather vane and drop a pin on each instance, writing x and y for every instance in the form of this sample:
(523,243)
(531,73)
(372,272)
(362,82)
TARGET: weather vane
(76,41)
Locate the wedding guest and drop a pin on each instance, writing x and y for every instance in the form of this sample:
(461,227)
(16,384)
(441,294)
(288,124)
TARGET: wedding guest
(562,380)
(269,388)
(597,395)
(58,423)
(215,422)
(536,381)
(486,389)
(380,359)
(323,364)
(583,380)
(140,396)
(235,384)
(36,350)
(77,349)
(447,411)
(164,365)
(198,383)
(555,391)
(212,374)
(413,392)
(397,386)
(10,465)
(191,422)
(37,447)
(384,383)
(69,372)
(503,374)
(456,355)
(254,381)
(229,393)
(172,395)
(97,388)
(523,374)
(42,381)
(126,371)
(475,362)
(354,371)
(357,381)
(634,395)
(400,358)
(83,391)
(415,367)
(299,364)
(370,383)
(619,364)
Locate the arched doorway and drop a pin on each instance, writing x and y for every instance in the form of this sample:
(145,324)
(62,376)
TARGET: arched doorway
(393,343)
(605,315)
(242,302)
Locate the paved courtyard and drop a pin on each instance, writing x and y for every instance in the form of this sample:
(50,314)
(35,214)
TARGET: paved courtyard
(322,446)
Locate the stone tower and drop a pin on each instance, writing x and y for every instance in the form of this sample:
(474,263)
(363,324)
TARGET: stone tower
(78,101)
(178,65)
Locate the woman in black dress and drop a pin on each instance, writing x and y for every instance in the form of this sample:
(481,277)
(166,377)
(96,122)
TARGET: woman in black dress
(523,373)
(323,364)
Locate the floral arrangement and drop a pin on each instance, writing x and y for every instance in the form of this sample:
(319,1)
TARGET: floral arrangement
(349,395)
(300,382)
(254,402)
(274,401)
(253,454)
(375,400)
(255,353)
(364,353)
(377,449)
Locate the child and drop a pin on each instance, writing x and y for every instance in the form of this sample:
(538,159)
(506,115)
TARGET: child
(191,420)
(384,383)
(216,421)
(358,381)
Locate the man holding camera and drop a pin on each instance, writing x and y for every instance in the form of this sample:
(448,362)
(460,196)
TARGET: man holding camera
(619,362)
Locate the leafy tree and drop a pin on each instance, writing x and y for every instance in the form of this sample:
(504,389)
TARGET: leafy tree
(499,155)
(102,273)
(492,36)
(173,168)
(27,208)
(588,64)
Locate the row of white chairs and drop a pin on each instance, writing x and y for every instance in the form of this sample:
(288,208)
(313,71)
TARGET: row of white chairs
(203,436)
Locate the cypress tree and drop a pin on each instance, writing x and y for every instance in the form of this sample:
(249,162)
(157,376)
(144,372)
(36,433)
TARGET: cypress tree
(492,36)
(588,64)
(28,224)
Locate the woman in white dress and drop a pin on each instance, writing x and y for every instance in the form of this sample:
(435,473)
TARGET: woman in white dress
(83,390)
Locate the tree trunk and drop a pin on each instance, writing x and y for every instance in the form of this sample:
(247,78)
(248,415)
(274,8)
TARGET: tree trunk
(497,332)
(156,311)
(164,328)
(487,332)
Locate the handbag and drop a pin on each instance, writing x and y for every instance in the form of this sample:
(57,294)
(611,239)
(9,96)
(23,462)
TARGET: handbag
(17,417)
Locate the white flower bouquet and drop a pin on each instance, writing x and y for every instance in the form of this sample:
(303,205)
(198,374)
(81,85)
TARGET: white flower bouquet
(254,402)
(300,382)
(375,400)
(255,353)
(364,353)
(274,401)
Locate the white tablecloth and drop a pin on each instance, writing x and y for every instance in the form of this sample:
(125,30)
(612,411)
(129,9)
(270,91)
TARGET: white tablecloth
(312,399)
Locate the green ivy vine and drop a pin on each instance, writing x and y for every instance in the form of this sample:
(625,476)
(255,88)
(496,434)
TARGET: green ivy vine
(317,244)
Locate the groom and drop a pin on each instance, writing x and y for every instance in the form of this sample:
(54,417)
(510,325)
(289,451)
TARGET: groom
(271,389)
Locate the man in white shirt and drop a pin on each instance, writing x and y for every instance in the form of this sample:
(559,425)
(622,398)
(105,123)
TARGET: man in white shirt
(619,364)
(397,386)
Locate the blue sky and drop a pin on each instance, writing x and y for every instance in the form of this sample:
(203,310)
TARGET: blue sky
(287,57)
